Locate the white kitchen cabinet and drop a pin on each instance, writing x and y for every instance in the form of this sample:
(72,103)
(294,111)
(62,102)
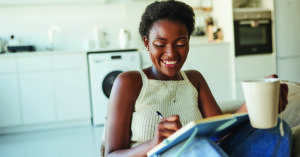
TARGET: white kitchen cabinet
(37,89)
(34,63)
(38,104)
(288,69)
(71,87)
(10,108)
(253,67)
(69,61)
(8,65)
(214,61)
(72,95)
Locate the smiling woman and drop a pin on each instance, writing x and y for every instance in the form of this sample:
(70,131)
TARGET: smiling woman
(132,127)
(181,96)
(168,45)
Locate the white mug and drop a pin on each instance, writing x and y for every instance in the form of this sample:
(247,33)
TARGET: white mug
(262,98)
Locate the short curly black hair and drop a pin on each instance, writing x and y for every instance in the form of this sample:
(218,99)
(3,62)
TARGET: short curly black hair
(171,10)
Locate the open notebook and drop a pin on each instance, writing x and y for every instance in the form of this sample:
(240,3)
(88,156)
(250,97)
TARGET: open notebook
(213,127)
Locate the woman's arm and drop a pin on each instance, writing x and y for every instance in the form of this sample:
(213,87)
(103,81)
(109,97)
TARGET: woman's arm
(206,101)
(124,93)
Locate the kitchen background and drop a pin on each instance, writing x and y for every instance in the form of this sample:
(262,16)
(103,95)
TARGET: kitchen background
(46,102)
(77,22)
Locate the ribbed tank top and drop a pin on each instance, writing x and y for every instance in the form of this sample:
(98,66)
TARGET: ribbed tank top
(169,98)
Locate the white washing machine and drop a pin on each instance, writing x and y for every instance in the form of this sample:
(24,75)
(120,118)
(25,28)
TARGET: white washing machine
(104,67)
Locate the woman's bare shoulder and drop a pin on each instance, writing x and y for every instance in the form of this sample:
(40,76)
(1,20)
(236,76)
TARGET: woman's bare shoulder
(129,83)
(193,73)
(130,76)
(194,76)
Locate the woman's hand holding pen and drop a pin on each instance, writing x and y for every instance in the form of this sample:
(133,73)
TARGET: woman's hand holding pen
(166,127)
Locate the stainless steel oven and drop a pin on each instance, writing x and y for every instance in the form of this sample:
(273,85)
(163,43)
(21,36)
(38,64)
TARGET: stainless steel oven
(252,31)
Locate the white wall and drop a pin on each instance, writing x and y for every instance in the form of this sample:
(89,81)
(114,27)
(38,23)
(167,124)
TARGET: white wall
(222,13)
(30,23)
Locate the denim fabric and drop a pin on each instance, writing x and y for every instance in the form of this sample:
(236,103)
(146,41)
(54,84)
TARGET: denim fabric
(249,142)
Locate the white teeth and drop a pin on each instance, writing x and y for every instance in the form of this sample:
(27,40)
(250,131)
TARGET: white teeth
(170,62)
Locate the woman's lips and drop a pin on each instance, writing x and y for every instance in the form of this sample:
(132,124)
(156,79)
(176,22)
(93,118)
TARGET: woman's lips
(170,63)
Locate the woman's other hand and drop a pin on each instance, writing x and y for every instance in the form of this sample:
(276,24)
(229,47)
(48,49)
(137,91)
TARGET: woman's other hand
(166,127)
(283,101)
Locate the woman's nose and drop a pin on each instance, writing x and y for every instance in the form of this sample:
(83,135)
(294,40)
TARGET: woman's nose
(170,50)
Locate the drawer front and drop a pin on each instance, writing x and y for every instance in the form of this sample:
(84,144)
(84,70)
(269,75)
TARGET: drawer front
(35,63)
(68,61)
(8,65)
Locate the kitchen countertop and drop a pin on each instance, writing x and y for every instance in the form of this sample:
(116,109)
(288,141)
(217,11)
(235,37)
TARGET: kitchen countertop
(194,41)
(36,53)
(203,40)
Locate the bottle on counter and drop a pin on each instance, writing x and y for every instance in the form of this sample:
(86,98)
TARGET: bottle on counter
(12,41)
(210,29)
(218,35)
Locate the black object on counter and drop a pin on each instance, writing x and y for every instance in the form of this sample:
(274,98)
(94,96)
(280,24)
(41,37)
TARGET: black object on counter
(20,48)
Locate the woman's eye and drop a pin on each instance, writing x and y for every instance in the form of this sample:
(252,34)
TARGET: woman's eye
(159,45)
(180,45)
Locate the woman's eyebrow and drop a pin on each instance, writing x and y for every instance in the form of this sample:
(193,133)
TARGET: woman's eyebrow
(161,38)
(182,38)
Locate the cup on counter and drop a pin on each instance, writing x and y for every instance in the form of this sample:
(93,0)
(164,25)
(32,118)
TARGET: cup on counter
(262,98)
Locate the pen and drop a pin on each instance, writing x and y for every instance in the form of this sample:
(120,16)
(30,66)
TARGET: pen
(159,114)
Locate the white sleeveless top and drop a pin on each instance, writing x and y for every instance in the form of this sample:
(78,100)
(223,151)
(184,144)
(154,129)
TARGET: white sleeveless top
(169,98)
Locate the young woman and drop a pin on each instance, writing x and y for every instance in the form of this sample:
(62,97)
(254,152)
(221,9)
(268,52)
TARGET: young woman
(132,127)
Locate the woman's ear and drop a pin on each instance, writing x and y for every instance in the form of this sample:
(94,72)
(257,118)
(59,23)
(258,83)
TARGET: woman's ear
(146,43)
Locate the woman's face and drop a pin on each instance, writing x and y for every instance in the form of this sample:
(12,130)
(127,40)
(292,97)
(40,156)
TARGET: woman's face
(168,46)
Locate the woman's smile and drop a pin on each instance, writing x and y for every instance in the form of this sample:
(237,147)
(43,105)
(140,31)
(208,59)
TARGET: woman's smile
(170,63)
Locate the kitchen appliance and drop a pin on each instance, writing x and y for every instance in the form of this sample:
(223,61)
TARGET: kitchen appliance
(287,24)
(21,48)
(252,31)
(239,3)
(104,67)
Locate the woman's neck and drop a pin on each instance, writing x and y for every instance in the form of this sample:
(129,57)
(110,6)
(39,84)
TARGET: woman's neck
(153,73)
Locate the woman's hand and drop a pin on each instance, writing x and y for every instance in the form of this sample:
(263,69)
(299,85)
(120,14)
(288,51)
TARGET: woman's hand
(166,127)
(283,101)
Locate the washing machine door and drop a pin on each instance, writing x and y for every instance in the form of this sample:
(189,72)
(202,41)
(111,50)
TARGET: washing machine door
(108,82)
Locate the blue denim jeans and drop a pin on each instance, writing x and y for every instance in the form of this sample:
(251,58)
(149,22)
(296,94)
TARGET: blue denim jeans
(247,141)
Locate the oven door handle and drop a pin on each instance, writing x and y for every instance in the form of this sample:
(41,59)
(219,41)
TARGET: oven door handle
(254,23)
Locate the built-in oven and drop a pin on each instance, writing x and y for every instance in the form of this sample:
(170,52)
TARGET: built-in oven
(252,31)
